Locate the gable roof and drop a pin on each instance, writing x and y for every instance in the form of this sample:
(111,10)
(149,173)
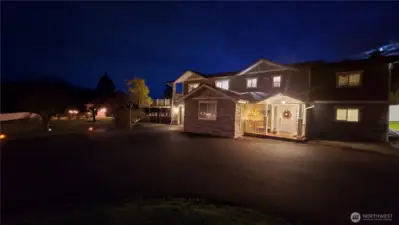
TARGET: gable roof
(187,74)
(222,74)
(260,61)
(228,94)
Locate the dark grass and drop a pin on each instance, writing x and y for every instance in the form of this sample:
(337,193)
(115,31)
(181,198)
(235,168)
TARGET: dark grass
(394,125)
(151,211)
(30,128)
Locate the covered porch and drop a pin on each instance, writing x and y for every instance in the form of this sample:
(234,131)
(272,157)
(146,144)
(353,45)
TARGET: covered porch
(277,116)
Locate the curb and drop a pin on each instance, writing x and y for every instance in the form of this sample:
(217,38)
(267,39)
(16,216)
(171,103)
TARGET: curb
(355,149)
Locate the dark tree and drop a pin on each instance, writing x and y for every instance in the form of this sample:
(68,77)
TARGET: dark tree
(375,54)
(93,107)
(45,101)
(105,86)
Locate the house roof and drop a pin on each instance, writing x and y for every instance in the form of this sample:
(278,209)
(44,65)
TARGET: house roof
(229,94)
(222,74)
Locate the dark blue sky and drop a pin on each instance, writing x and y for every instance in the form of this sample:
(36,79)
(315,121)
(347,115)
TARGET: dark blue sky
(78,41)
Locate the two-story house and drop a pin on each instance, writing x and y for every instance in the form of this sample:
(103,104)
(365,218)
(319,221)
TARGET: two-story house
(341,101)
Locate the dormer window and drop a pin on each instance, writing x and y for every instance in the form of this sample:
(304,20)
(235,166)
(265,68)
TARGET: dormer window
(192,86)
(252,82)
(349,79)
(222,84)
(277,81)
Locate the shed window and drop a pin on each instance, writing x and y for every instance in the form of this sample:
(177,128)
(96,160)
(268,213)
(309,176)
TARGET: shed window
(207,110)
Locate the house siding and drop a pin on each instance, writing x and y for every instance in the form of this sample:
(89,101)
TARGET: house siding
(374,82)
(264,82)
(372,126)
(223,126)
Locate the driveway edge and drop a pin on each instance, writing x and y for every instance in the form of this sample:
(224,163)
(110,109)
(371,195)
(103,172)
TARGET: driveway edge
(369,148)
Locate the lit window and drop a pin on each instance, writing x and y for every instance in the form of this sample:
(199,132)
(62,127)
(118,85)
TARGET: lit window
(277,81)
(192,86)
(222,84)
(252,82)
(349,79)
(207,110)
(350,115)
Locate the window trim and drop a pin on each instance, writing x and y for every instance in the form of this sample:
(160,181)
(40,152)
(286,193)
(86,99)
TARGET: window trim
(207,102)
(347,108)
(348,73)
(281,78)
(252,78)
(221,80)
(190,84)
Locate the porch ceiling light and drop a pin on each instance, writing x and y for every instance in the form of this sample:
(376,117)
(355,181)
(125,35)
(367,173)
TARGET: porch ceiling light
(283,102)
(175,109)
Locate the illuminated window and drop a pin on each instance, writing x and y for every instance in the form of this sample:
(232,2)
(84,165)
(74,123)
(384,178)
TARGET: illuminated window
(192,86)
(349,79)
(222,84)
(207,110)
(345,114)
(277,81)
(252,82)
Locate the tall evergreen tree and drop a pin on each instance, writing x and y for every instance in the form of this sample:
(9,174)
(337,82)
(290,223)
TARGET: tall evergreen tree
(105,86)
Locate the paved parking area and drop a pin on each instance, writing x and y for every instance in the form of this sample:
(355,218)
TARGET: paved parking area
(307,183)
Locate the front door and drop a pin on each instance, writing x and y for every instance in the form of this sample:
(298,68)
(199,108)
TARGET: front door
(286,118)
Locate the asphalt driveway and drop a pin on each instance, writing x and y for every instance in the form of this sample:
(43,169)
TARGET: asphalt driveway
(306,183)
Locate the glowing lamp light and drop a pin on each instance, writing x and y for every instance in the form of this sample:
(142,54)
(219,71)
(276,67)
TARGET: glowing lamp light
(283,102)
(2,136)
(104,110)
(175,109)
(49,129)
(70,111)
(90,128)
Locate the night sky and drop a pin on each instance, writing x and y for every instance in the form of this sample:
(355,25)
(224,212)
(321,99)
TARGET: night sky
(78,41)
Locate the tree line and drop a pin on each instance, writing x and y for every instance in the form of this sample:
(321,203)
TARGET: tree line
(49,97)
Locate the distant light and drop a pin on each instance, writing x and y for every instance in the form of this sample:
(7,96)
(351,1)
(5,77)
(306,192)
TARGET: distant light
(76,111)
(103,110)
(175,109)
(90,128)
(49,129)
(70,111)
(283,102)
(3,136)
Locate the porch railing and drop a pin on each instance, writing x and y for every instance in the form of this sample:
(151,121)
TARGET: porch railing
(165,102)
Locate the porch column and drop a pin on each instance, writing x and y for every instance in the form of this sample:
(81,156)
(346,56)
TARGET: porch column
(266,118)
(300,121)
(173,115)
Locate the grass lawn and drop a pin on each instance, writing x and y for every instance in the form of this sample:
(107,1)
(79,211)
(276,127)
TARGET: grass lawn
(394,125)
(33,127)
(155,211)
